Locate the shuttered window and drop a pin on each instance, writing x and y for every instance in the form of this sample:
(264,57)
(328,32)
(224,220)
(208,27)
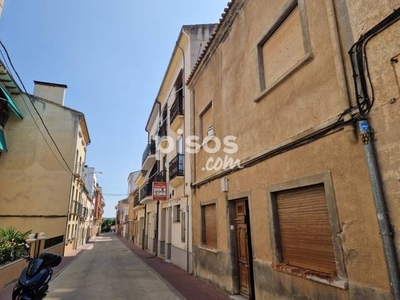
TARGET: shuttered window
(209,225)
(305,232)
(183,227)
(284,49)
(207,123)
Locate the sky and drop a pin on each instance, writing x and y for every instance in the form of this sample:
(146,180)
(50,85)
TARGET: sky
(112,55)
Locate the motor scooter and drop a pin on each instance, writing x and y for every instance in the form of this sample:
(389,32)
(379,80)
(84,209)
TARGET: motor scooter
(33,283)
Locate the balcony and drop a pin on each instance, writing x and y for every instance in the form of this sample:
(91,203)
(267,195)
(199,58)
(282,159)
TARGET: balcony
(74,207)
(162,132)
(176,113)
(149,156)
(146,192)
(176,171)
(78,172)
(136,201)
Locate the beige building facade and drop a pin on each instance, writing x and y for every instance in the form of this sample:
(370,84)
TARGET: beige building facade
(282,201)
(168,222)
(78,198)
(35,181)
(134,207)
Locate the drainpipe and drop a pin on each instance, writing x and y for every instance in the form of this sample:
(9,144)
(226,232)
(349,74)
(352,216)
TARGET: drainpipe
(144,225)
(156,230)
(184,171)
(381,209)
(158,202)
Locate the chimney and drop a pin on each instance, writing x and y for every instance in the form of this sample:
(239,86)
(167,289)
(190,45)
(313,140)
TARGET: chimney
(53,92)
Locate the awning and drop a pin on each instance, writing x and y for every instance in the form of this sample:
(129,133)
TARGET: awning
(3,146)
(10,102)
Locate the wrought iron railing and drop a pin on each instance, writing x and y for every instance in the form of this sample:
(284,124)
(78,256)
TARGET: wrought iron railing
(136,200)
(176,166)
(149,150)
(162,131)
(147,189)
(176,108)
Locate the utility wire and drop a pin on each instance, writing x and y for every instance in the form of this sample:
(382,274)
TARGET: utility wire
(34,121)
(37,112)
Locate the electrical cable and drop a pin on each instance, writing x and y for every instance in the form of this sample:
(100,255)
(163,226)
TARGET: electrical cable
(41,133)
(336,126)
(364,89)
(37,126)
(40,117)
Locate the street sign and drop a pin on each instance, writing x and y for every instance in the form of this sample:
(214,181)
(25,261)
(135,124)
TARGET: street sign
(159,191)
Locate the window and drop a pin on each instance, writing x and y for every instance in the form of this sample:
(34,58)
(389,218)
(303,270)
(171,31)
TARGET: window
(177,213)
(207,122)
(180,145)
(53,241)
(305,238)
(209,225)
(285,46)
(183,227)
(3,112)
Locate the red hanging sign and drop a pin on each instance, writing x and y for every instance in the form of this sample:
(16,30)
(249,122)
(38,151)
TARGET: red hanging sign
(159,191)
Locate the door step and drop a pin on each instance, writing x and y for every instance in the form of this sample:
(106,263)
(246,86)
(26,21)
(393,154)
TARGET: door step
(237,297)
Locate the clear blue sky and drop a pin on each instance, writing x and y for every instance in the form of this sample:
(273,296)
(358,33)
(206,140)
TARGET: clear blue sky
(112,55)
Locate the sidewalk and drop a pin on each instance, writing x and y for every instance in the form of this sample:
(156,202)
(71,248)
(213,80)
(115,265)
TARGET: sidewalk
(185,284)
(5,294)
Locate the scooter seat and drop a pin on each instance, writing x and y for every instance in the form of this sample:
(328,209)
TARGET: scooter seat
(50,259)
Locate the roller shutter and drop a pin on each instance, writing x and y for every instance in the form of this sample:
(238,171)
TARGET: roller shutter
(305,232)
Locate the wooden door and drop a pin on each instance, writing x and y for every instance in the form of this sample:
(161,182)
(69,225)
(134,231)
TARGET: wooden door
(243,249)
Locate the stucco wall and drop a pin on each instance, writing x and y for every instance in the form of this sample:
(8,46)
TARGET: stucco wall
(385,76)
(11,271)
(359,233)
(32,181)
(309,97)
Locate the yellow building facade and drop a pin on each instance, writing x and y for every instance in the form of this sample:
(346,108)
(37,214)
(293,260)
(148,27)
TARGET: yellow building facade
(35,181)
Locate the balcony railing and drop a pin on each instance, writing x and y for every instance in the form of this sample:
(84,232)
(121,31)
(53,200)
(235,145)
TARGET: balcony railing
(136,201)
(176,166)
(78,171)
(163,129)
(159,177)
(147,189)
(150,150)
(176,108)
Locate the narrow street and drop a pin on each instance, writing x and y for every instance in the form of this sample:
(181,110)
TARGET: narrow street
(109,270)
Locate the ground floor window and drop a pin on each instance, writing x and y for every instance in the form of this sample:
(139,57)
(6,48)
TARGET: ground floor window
(304,238)
(209,225)
(183,227)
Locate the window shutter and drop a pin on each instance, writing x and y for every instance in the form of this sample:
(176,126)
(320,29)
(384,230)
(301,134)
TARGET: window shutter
(284,49)
(210,228)
(306,236)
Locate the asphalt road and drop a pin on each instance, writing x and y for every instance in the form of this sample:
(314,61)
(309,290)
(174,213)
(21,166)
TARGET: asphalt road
(108,270)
